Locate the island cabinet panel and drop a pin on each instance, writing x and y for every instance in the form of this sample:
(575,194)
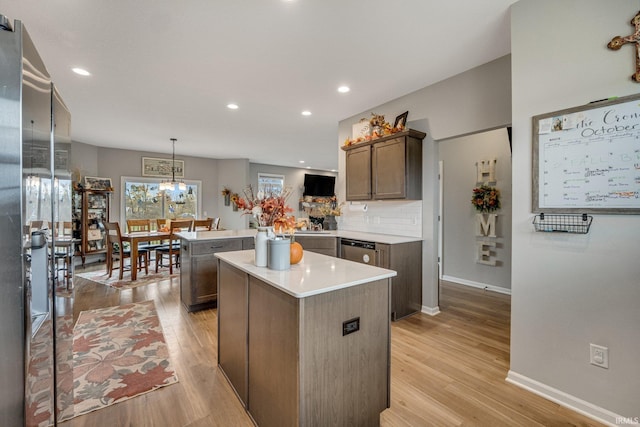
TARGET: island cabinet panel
(344,379)
(320,245)
(273,356)
(198,271)
(233,324)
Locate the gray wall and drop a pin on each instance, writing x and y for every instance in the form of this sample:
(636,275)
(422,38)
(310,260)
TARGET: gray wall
(473,101)
(215,174)
(293,177)
(570,290)
(89,160)
(459,157)
(234,175)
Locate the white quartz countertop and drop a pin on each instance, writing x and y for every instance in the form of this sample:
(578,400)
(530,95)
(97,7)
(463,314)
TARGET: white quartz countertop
(216,234)
(315,274)
(356,235)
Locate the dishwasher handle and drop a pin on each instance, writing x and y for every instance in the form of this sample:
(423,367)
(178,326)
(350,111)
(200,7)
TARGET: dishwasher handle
(358,243)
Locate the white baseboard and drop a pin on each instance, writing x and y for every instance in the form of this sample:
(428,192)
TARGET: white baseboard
(431,311)
(477,284)
(578,405)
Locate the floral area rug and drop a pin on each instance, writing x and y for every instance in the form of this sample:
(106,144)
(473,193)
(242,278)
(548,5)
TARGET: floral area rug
(143,279)
(118,353)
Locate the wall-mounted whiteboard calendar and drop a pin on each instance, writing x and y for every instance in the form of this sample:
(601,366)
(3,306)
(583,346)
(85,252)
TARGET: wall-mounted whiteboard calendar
(587,159)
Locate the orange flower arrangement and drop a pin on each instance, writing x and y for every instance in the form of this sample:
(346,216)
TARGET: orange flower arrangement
(269,211)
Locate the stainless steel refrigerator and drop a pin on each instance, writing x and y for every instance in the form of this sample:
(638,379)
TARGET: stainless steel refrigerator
(36,308)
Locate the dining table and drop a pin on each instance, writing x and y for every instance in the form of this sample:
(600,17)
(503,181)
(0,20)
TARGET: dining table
(134,238)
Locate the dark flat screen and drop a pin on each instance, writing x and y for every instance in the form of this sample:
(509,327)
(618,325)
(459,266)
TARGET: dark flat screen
(319,185)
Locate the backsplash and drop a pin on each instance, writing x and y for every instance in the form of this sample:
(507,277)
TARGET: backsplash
(400,218)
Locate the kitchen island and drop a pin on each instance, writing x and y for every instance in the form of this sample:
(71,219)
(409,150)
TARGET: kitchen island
(308,346)
(198,266)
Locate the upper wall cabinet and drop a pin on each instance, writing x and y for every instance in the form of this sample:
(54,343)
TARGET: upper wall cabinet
(385,168)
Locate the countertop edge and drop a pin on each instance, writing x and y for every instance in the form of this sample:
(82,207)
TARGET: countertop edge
(243,260)
(388,239)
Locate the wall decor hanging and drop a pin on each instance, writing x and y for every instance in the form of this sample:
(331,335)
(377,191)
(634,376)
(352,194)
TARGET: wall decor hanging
(617,42)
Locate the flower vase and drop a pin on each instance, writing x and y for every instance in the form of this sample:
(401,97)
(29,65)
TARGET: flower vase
(227,199)
(262,236)
(330,223)
(234,207)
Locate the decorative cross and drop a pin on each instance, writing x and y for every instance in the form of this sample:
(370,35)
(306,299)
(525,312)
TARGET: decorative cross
(617,42)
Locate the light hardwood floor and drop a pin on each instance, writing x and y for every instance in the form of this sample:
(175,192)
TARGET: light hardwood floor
(446,370)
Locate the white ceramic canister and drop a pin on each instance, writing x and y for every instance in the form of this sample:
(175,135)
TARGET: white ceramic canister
(261,247)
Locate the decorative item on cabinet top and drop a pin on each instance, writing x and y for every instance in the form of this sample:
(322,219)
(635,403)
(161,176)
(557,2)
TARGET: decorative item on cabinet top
(95,183)
(376,127)
(407,132)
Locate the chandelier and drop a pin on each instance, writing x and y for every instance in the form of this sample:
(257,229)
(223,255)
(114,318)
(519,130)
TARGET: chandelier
(173,184)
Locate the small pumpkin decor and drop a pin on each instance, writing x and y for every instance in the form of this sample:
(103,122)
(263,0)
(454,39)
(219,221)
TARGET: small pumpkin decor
(296,253)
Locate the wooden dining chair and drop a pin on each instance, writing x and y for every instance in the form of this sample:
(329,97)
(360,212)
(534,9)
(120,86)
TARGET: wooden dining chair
(134,225)
(63,230)
(202,224)
(143,225)
(172,250)
(117,252)
(161,222)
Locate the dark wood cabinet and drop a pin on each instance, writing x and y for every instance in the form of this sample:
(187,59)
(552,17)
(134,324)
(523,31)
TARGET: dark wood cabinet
(406,287)
(389,167)
(358,177)
(199,270)
(90,212)
(321,245)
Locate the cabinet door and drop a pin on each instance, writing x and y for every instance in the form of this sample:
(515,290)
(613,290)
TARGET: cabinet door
(204,269)
(358,167)
(248,243)
(320,245)
(389,169)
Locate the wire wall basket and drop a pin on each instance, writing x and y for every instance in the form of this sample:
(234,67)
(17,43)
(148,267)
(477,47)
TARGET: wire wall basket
(578,224)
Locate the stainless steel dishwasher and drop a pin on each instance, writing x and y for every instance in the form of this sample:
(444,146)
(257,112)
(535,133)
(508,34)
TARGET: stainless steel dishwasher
(358,251)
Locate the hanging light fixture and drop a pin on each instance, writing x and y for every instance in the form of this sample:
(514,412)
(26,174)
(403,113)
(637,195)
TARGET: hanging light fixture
(173,184)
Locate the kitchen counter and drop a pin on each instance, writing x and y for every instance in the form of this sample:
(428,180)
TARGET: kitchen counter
(192,236)
(306,346)
(357,235)
(315,274)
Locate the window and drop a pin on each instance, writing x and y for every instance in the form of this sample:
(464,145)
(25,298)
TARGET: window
(143,199)
(270,184)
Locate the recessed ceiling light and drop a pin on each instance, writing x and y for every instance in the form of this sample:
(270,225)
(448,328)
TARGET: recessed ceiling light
(308,167)
(301,161)
(344,89)
(81,71)
(306,113)
(333,170)
(232,106)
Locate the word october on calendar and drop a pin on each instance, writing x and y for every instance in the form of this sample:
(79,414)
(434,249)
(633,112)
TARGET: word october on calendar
(587,159)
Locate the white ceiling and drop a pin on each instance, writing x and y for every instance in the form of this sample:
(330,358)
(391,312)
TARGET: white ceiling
(163,69)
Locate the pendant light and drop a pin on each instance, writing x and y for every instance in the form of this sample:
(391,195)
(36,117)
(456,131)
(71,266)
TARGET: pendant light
(173,184)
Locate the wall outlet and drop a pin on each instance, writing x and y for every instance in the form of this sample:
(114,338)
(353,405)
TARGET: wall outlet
(599,355)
